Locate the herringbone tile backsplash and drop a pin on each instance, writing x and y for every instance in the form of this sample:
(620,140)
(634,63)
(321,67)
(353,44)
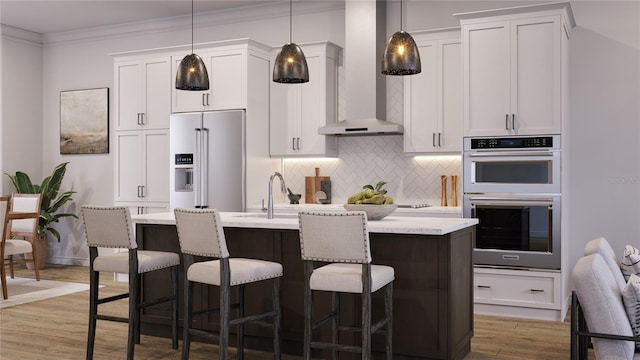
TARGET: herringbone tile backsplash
(369,159)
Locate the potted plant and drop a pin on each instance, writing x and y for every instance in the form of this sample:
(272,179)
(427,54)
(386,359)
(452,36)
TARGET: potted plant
(52,201)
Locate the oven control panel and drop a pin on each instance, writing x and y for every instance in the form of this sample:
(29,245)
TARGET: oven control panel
(512,142)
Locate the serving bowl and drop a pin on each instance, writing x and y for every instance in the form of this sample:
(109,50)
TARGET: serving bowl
(374,212)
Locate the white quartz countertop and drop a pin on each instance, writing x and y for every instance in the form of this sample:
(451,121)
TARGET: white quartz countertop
(437,211)
(288,221)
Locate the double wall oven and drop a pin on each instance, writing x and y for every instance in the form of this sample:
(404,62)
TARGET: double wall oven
(512,186)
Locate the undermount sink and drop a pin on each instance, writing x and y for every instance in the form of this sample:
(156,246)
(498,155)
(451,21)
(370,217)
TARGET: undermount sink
(264,216)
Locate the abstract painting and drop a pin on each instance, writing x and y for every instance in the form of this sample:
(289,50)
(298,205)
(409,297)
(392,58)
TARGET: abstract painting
(84,121)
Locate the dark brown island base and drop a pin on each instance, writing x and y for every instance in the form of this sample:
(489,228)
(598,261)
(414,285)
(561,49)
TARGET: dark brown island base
(432,292)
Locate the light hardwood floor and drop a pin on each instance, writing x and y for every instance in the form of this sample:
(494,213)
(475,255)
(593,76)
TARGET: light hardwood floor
(57,329)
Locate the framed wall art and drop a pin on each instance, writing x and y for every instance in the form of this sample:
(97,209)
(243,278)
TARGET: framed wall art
(84,121)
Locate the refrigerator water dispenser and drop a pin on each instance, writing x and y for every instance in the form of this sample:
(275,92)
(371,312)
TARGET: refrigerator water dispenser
(184,179)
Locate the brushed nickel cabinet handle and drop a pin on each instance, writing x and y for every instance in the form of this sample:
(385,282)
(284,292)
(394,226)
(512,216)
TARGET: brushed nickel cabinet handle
(537,290)
(513,121)
(484,286)
(440,139)
(433,139)
(506,121)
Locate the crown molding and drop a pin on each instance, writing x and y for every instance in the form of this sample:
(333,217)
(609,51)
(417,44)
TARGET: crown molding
(243,14)
(13,33)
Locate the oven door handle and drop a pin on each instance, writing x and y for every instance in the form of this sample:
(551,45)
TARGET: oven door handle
(512,153)
(511,199)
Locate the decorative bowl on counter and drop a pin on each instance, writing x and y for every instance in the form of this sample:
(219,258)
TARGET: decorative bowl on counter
(374,212)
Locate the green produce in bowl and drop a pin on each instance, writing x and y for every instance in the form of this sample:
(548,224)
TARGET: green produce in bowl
(371,195)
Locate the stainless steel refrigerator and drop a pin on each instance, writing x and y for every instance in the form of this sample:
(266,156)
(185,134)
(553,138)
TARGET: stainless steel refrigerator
(208,160)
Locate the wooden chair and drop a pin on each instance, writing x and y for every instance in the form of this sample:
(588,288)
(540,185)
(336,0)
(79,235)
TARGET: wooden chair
(20,232)
(200,233)
(110,227)
(342,239)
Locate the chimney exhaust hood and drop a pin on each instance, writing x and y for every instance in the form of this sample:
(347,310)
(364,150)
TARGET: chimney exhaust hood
(366,87)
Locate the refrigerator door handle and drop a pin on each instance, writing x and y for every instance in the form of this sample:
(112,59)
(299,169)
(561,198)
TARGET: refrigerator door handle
(204,169)
(198,168)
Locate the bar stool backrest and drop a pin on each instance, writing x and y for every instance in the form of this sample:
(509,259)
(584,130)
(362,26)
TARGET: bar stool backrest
(334,236)
(200,232)
(108,227)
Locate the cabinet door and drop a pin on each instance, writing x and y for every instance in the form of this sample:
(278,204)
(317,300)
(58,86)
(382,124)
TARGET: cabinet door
(128,173)
(536,75)
(450,95)
(227,77)
(313,112)
(486,71)
(128,95)
(182,100)
(421,103)
(227,84)
(156,79)
(285,114)
(155,165)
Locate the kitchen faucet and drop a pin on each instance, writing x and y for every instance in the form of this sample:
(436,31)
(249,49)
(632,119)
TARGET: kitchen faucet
(270,200)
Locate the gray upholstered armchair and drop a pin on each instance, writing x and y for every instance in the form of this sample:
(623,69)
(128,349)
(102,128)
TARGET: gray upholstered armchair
(598,313)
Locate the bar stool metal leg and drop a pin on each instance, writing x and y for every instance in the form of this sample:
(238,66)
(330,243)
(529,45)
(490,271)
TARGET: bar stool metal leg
(366,311)
(388,310)
(277,319)
(308,306)
(93,310)
(240,326)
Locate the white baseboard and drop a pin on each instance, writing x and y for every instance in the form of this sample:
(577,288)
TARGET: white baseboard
(519,312)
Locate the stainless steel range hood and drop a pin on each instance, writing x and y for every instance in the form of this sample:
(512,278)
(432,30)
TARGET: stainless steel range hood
(366,87)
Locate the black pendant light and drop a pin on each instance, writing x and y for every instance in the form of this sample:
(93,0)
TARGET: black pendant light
(192,73)
(401,56)
(291,65)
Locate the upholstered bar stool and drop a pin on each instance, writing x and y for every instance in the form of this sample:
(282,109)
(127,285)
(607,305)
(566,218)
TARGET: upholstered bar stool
(200,233)
(110,227)
(342,239)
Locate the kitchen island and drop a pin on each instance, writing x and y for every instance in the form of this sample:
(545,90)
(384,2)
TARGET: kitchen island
(433,294)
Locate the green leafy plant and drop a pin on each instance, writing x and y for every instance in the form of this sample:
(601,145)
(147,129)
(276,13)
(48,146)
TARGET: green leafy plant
(52,198)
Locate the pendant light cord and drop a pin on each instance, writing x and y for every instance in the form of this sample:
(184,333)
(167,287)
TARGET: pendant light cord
(192,26)
(290,20)
(401,8)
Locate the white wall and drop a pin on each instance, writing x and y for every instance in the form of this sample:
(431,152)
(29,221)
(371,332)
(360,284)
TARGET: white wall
(605,88)
(21,121)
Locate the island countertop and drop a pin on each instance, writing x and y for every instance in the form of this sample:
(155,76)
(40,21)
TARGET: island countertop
(389,225)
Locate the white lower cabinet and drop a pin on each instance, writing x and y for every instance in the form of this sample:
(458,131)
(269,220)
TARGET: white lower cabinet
(518,293)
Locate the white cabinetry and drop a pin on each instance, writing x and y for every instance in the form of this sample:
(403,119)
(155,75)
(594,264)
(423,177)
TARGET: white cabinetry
(298,110)
(142,93)
(513,65)
(433,98)
(518,293)
(239,73)
(227,71)
(142,169)
(142,109)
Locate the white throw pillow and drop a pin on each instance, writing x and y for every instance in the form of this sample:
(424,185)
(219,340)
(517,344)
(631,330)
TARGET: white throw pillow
(630,263)
(631,300)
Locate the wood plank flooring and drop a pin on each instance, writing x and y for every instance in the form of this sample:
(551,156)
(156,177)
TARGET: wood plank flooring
(57,329)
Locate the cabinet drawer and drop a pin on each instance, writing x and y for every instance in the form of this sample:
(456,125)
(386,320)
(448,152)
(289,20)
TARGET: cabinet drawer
(507,289)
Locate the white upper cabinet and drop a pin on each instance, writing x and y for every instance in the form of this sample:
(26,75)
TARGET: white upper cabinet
(227,69)
(142,93)
(513,70)
(433,98)
(298,110)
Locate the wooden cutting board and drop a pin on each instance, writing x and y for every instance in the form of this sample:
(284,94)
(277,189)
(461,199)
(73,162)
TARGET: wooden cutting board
(312,185)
